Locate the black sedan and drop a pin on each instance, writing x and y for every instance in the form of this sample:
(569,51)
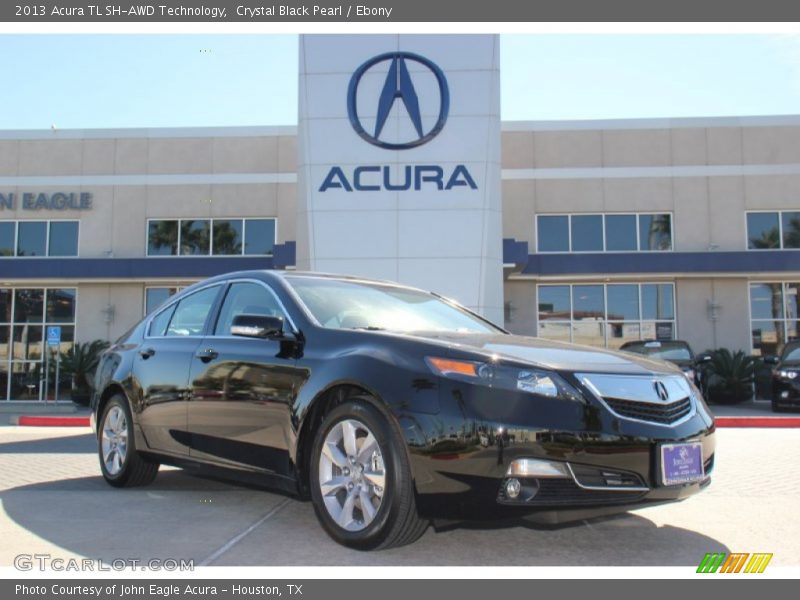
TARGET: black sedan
(390,407)
(786,377)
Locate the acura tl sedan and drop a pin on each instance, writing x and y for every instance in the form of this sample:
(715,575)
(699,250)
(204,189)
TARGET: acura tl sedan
(390,407)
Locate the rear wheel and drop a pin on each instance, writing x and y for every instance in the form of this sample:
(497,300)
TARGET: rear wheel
(361,482)
(121,464)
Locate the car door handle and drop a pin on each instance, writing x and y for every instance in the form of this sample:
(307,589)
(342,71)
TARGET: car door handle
(207,355)
(147,353)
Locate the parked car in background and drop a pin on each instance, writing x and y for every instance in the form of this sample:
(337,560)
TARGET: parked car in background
(389,406)
(677,352)
(786,377)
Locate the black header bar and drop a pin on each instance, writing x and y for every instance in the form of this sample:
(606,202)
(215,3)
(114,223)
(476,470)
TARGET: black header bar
(397,11)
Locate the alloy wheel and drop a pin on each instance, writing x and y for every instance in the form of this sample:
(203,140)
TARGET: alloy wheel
(352,475)
(115,440)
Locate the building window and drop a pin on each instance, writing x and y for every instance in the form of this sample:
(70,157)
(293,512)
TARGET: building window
(156,296)
(604,233)
(195,239)
(25,314)
(606,315)
(215,237)
(227,237)
(773,315)
(773,230)
(38,238)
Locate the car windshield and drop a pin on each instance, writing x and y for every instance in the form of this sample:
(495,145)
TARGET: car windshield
(662,350)
(791,354)
(355,304)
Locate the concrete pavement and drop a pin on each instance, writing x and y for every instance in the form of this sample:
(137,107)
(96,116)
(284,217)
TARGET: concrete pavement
(54,500)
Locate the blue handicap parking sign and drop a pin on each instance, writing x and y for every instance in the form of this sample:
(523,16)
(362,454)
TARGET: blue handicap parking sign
(53,336)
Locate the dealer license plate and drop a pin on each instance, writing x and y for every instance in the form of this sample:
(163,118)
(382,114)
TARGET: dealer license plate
(681,463)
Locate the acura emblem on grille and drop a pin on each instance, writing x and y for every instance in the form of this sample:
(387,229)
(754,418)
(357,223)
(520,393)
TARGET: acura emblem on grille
(661,390)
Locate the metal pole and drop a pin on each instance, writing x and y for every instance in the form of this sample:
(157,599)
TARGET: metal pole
(46,371)
(58,365)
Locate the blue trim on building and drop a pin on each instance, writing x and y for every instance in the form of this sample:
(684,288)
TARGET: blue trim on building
(182,267)
(162,267)
(762,261)
(284,255)
(515,253)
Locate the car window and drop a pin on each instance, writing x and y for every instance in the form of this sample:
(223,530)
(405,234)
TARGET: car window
(354,304)
(664,350)
(158,326)
(791,354)
(245,298)
(191,313)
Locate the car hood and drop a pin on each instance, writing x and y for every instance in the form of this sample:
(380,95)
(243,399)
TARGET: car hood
(549,354)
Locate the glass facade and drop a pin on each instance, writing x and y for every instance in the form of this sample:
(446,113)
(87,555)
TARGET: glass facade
(773,315)
(25,314)
(604,233)
(773,230)
(156,296)
(38,238)
(606,315)
(215,237)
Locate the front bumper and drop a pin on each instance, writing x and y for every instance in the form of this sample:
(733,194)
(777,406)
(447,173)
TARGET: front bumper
(461,456)
(786,392)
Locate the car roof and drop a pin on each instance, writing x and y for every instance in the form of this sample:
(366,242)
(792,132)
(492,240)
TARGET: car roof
(273,275)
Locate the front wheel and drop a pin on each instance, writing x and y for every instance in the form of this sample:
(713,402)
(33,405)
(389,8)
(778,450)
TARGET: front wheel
(121,464)
(361,483)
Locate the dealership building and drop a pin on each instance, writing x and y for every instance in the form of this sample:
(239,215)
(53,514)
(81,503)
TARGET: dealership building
(595,232)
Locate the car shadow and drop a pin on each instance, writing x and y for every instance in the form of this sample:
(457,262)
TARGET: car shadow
(83,443)
(189,514)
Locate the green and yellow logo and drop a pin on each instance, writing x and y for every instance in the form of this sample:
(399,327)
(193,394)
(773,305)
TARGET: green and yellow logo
(735,562)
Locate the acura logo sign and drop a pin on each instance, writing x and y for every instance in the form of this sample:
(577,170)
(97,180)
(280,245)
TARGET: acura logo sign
(398,86)
(661,390)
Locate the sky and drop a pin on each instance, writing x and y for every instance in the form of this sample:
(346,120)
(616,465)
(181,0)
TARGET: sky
(97,81)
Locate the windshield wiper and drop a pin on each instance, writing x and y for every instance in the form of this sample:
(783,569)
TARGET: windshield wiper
(369,328)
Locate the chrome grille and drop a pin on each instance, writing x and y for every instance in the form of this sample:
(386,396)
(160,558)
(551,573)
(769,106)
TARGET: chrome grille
(666,414)
(658,399)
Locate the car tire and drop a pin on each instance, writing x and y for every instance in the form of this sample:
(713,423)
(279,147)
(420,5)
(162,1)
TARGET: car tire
(120,462)
(379,517)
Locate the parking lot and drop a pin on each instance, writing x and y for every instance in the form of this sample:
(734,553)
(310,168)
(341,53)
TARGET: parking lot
(55,501)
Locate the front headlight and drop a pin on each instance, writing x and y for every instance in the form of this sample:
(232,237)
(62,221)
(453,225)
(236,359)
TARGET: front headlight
(529,380)
(787,374)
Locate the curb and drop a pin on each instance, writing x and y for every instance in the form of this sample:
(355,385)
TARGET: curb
(757,421)
(44,421)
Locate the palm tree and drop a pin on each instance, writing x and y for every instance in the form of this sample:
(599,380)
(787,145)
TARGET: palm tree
(227,238)
(163,235)
(194,237)
(659,235)
(791,232)
(770,239)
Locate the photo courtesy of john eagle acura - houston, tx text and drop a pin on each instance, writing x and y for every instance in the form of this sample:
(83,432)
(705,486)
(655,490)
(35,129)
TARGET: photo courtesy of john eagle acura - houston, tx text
(390,407)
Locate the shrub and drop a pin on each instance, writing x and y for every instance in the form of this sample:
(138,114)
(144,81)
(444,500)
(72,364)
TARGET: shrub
(730,376)
(79,363)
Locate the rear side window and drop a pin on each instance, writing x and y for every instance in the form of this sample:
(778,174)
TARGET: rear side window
(158,326)
(246,298)
(191,313)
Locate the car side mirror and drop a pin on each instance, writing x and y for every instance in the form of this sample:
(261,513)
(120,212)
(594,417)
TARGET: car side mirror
(257,326)
(703,358)
(771,360)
